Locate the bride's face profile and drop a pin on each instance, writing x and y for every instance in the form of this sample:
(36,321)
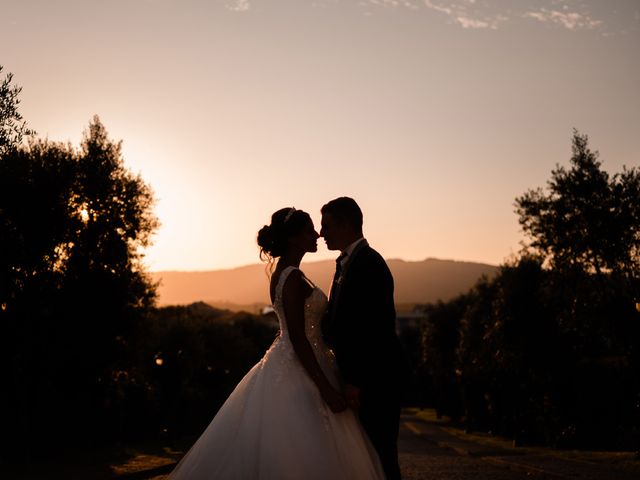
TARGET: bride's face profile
(306,240)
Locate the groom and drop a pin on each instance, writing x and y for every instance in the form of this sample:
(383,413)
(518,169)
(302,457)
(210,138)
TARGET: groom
(360,329)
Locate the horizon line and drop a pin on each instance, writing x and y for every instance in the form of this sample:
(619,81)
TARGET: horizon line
(392,259)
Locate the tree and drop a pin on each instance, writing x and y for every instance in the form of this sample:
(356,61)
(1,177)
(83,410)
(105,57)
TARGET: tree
(12,126)
(587,220)
(440,339)
(587,228)
(547,350)
(72,227)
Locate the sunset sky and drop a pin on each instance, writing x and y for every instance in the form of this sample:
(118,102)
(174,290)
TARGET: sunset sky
(434,114)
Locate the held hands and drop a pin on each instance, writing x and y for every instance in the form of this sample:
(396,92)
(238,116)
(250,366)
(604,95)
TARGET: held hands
(334,400)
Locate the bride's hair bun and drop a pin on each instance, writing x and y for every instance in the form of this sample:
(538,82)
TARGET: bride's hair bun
(265,238)
(286,222)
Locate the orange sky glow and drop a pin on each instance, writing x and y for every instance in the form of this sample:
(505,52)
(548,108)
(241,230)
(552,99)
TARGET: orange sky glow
(433,115)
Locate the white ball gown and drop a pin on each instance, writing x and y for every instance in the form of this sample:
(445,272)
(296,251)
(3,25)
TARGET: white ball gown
(276,426)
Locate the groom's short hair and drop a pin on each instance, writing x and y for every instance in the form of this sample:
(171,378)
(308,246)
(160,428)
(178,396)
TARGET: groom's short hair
(344,210)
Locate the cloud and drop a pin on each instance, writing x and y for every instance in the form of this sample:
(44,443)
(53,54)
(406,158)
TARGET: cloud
(410,4)
(438,8)
(569,14)
(471,23)
(570,20)
(467,13)
(239,5)
(481,14)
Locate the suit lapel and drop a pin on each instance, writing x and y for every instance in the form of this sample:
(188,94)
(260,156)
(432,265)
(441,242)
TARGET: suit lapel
(336,288)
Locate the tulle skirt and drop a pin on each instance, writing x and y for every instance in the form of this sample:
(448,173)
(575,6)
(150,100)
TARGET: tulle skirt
(275,426)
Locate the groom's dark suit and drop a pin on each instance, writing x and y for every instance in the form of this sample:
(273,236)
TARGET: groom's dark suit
(360,328)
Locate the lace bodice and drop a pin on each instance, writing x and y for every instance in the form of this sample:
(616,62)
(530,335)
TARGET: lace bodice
(281,352)
(315,306)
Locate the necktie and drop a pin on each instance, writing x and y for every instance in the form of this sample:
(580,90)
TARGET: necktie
(339,264)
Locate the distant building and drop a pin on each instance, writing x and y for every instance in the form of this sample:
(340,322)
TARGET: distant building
(412,319)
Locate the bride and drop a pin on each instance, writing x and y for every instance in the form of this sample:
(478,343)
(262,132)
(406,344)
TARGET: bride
(287,418)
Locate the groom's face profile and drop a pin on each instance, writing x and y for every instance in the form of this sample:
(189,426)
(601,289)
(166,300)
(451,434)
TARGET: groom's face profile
(332,232)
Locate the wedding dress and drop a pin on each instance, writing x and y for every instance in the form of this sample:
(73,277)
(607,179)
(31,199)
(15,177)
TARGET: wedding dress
(276,426)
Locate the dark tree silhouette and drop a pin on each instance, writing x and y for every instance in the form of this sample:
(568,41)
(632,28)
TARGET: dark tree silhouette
(72,223)
(587,219)
(440,340)
(12,126)
(190,358)
(547,350)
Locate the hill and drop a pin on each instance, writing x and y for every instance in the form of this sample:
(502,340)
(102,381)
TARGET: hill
(247,287)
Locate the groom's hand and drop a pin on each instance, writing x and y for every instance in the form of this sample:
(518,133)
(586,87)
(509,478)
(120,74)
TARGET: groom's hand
(352,396)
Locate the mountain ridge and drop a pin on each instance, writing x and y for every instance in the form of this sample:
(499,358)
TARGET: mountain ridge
(416,282)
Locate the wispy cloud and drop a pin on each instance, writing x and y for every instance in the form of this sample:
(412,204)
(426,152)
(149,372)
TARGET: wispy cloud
(481,14)
(490,14)
(239,5)
(395,3)
(566,18)
(471,23)
(439,8)
(468,14)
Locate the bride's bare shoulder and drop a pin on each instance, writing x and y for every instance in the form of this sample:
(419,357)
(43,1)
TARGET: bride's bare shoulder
(296,285)
(294,276)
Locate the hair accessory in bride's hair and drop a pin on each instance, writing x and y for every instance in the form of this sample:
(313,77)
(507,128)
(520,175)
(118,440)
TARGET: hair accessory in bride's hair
(289,213)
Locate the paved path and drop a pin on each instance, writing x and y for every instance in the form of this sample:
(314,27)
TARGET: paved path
(428,452)
(426,455)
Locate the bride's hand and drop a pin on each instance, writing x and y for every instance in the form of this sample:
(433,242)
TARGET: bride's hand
(334,400)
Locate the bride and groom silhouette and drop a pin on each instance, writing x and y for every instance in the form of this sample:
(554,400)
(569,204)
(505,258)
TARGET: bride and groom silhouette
(324,401)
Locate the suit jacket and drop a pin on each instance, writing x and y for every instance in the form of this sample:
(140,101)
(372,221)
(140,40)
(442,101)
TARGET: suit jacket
(360,324)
